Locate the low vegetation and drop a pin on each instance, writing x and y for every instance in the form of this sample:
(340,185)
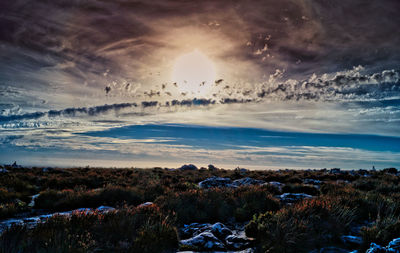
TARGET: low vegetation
(143,229)
(342,203)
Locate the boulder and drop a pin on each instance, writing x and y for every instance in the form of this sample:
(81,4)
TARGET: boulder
(241,171)
(293,197)
(351,239)
(217,236)
(205,241)
(33,198)
(247,181)
(312,181)
(193,229)
(236,242)
(105,209)
(212,167)
(215,182)
(335,171)
(220,230)
(394,245)
(146,204)
(375,248)
(188,167)
(15,165)
(48,169)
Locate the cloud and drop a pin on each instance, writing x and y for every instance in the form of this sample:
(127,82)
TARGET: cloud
(103,109)
(81,47)
(69,112)
(344,85)
(170,149)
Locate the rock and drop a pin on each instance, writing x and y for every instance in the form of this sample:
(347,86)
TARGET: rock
(247,181)
(278,185)
(250,250)
(32,203)
(3,170)
(146,204)
(205,241)
(196,235)
(48,169)
(293,197)
(375,248)
(188,167)
(215,182)
(236,242)
(312,181)
(105,209)
(241,171)
(15,165)
(212,167)
(33,221)
(335,171)
(220,230)
(351,239)
(394,245)
(193,229)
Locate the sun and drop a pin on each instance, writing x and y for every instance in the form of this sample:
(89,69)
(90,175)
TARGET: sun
(194,73)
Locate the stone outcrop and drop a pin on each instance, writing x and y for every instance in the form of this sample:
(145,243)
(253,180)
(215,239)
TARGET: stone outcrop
(293,197)
(392,247)
(212,237)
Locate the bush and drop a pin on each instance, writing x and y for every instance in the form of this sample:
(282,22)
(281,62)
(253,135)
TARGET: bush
(218,204)
(382,231)
(143,229)
(299,188)
(301,227)
(78,198)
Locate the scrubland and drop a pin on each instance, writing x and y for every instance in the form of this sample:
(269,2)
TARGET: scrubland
(364,203)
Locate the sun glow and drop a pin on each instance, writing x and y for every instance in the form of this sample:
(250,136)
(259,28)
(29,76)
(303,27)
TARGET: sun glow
(194,73)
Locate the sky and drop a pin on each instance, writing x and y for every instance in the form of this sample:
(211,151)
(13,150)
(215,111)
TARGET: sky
(259,84)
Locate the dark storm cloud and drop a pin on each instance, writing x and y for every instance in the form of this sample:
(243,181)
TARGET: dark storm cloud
(65,44)
(299,36)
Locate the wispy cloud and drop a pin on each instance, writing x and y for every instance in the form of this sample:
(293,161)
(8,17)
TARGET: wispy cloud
(173,145)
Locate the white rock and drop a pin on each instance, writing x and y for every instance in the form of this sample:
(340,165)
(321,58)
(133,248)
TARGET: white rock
(247,181)
(146,204)
(204,241)
(351,239)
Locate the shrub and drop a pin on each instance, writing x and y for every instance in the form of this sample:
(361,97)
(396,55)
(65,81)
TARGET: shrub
(382,231)
(77,198)
(301,227)
(299,188)
(128,230)
(218,204)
